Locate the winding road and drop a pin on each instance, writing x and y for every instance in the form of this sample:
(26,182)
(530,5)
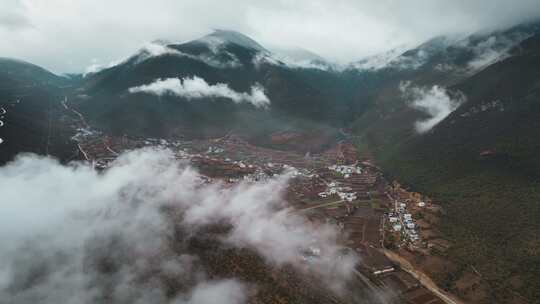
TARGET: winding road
(87,126)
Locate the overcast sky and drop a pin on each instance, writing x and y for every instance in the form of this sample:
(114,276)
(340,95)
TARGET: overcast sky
(69,35)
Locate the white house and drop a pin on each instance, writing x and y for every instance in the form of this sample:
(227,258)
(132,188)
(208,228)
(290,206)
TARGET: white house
(323,194)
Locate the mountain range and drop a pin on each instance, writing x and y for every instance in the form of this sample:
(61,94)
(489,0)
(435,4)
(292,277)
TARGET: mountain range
(456,117)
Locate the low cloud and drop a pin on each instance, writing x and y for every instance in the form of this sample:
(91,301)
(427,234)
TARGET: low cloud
(390,58)
(97,66)
(436,102)
(223,292)
(196,88)
(494,48)
(294,63)
(73,235)
(155,49)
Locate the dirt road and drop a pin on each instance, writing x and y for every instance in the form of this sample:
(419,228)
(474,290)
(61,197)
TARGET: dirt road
(421,277)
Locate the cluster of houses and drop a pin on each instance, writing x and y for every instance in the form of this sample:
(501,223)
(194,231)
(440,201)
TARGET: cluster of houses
(257,176)
(295,172)
(347,171)
(402,221)
(239,164)
(334,189)
(214,150)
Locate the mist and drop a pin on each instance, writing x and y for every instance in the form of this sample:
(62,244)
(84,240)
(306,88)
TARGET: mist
(197,88)
(434,102)
(46,33)
(72,235)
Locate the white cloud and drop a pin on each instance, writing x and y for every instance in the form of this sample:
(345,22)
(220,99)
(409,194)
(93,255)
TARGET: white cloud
(293,63)
(493,49)
(73,235)
(436,102)
(97,66)
(223,292)
(154,49)
(346,30)
(12,16)
(196,87)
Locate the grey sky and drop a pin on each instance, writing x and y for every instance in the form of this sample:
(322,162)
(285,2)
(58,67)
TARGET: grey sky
(69,35)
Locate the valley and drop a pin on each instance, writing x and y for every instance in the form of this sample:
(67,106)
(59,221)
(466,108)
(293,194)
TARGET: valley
(336,186)
(424,163)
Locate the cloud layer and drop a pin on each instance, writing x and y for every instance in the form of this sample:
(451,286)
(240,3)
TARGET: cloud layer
(435,102)
(155,49)
(73,235)
(196,88)
(56,33)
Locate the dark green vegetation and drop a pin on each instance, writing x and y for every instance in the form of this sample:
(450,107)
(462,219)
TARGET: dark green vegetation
(31,97)
(482,164)
(17,74)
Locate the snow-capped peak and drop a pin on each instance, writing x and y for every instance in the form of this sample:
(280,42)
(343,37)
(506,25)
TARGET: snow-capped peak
(219,37)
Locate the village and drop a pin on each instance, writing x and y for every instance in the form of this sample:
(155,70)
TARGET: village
(376,218)
(372,214)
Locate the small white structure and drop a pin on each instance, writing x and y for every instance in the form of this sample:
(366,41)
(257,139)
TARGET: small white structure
(421,204)
(323,194)
(350,197)
(315,251)
(397,227)
(382,271)
(393,219)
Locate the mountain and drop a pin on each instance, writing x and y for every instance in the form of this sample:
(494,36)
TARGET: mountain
(302,58)
(441,61)
(29,101)
(224,37)
(298,54)
(299,97)
(480,161)
(17,73)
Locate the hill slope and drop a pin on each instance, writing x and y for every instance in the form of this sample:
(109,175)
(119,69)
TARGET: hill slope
(29,101)
(481,162)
